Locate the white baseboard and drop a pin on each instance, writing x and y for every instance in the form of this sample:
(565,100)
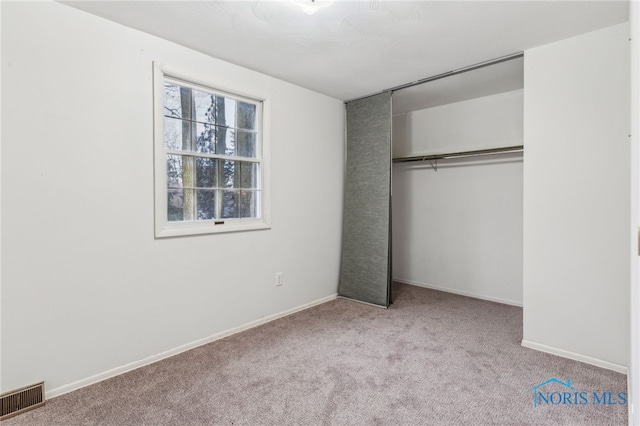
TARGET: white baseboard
(460,292)
(574,356)
(175,351)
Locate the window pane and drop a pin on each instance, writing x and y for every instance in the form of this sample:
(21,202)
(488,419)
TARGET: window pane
(225,111)
(178,101)
(229,170)
(249,201)
(246,116)
(180,178)
(248,175)
(205,106)
(225,141)
(206,204)
(206,172)
(246,144)
(174,171)
(177,134)
(205,138)
(172,105)
(180,171)
(230,204)
(174,205)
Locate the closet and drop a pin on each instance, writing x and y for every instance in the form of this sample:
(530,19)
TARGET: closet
(457,210)
(455,187)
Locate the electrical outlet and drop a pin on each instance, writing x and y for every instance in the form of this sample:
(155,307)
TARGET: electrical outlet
(279,278)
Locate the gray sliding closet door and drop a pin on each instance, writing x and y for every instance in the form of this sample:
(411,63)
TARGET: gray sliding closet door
(366,243)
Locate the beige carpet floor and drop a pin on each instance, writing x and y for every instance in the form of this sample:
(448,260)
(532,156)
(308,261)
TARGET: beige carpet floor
(433,358)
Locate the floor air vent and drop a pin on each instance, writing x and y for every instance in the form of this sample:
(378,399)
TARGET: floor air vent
(21,400)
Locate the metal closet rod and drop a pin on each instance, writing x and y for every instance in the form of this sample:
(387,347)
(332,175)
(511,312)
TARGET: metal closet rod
(461,154)
(443,75)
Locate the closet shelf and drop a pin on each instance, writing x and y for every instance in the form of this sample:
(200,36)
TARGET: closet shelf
(451,155)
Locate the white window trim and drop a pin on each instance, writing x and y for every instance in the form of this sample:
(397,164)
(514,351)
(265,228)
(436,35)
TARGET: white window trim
(165,228)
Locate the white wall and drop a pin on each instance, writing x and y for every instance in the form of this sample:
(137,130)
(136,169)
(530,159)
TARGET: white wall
(85,286)
(486,122)
(633,378)
(576,197)
(460,229)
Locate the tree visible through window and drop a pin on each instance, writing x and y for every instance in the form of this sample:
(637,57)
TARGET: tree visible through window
(213,154)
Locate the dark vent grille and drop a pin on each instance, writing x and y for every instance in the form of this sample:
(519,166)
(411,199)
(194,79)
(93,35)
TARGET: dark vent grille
(21,400)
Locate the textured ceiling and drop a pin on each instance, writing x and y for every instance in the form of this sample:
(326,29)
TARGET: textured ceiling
(354,48)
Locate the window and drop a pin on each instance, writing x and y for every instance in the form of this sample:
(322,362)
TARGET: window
(210,168)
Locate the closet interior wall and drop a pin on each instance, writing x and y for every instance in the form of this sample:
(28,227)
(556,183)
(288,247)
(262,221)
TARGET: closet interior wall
(459,229)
